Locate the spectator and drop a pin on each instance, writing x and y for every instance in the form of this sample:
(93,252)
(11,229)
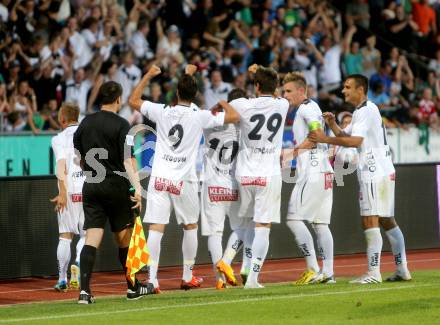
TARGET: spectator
(128,76)
(352,56)
(384,76)
(216,90)
(4,12)
(377,95)
(370,57)
(77,89)
(108,72)
(401,30)
(4,104)
(139,44)
(434,64)
(168,46)
(78,44)
(358,13)
(427,111)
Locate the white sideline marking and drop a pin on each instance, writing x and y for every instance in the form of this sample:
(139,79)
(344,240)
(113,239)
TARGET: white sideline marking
(212,276)
(223,302)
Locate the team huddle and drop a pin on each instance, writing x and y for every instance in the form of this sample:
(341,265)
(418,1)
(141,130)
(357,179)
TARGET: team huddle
(241,180)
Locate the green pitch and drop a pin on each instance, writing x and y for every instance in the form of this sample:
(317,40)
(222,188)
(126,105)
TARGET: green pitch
(415,302)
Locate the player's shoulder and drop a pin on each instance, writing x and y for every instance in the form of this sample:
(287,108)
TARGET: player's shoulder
(240,102)
(59,138)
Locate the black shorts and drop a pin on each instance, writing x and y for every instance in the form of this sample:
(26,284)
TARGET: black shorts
(108,199)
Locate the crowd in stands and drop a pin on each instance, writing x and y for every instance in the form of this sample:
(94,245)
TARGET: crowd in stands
(59,50)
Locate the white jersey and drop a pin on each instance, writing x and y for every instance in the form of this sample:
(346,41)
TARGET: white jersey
(374,153)
(179,132)
(313,160)
(62,145)
(221,149)
(261,135)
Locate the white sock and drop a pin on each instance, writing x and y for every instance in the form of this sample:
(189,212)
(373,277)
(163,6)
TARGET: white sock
(260,247)
(325,247)
(79,247)
(397,242)
(249,234)
(235,242)
(215,250)
(63,256)
(304,240)
(153,244)
(189,250)
(374,248)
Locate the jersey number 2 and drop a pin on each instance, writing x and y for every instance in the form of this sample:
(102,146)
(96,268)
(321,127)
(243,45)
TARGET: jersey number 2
(273,125)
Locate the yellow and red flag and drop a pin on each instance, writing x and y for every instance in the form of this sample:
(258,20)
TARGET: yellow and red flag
(138,253)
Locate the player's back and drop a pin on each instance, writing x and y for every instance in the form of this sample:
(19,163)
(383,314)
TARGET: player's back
(374,152)
(261,134)
(221,149)
(63,147)
(179,132)
(314,160)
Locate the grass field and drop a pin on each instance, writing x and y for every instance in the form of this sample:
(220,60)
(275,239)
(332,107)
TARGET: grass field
(412,302)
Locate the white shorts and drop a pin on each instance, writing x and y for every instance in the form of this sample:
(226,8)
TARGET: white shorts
(312,199)
(165,195)
(376,198)
(72,218)
(216,203)
(260,198)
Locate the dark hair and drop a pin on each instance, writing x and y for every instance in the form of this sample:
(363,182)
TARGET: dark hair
(359,81)
(267,79)
(187,88)
(109,92)
(236,93)
(88,22)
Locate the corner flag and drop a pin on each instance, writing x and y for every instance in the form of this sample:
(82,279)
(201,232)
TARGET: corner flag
(138,254)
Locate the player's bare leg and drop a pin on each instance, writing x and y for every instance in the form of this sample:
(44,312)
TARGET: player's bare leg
(397,242)
(155,235)
(189,251)
(63,257)
(260,246)
(373,238)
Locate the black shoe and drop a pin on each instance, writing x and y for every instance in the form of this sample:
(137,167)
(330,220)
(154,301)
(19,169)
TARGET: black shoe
(141,291)
(85,298)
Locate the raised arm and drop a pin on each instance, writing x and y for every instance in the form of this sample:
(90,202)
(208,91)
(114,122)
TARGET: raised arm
(135,100)
(231,115)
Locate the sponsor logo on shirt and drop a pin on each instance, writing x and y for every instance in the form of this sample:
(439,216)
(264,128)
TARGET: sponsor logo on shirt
(253,181)
(328,181)
(222,194)
(166,185)
(314,157)
(370,161)
(76,198)
(393,177)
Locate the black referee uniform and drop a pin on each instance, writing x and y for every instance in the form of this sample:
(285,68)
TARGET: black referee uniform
(109,198)
(101,139)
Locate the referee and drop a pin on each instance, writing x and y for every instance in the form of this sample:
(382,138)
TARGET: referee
(100,140)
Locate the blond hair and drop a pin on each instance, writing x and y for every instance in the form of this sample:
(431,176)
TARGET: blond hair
(297,78)
(70,112)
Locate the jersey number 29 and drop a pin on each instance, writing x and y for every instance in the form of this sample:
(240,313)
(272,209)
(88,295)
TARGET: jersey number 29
(273,125)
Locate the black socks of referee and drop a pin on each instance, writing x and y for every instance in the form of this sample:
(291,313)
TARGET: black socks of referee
(87,260)
(123,252)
